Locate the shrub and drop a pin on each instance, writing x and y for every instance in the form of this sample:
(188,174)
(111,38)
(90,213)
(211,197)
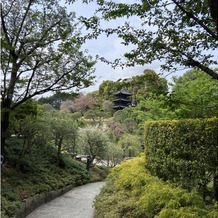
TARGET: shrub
(9,207)
(132,192)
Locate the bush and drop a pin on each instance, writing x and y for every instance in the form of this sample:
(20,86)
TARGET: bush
(99,173)
(8,208)
(132,192)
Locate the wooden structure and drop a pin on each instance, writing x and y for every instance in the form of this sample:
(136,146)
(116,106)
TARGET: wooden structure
(122,100)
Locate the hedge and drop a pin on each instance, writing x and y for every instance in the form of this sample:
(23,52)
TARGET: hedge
(184,152)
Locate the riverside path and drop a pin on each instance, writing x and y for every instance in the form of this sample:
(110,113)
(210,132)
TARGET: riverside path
(77,203)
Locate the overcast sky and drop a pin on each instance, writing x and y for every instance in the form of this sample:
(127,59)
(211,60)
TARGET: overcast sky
(110,48)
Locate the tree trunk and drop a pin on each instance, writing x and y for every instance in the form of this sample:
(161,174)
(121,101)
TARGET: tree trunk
(22,153)
(6,103)
(5,117)
(59,150)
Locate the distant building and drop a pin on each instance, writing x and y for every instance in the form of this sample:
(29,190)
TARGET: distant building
(122,100)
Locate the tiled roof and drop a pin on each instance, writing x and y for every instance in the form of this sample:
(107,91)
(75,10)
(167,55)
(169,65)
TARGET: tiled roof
(122,91)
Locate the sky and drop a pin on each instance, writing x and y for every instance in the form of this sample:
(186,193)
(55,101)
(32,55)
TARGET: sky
(110,48)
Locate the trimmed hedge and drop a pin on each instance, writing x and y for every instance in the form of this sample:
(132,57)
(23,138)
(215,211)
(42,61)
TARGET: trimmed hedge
(185,152)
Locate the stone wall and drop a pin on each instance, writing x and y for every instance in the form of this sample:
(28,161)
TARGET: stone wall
(30,204)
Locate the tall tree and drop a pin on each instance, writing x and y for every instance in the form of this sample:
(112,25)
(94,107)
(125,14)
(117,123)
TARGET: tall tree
(178,33)
(40,53)
(146,84)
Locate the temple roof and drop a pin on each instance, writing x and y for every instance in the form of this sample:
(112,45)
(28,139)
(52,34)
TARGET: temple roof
(122,92)
(121,100)
(117,107)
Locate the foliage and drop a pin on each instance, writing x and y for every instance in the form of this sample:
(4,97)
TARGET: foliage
(107,88)
(177,33)
(107,106)
(95,117)
(158,108)
(29,130)
(116,129)
(28,108)
(94,142)
(114,154)
(40,53)
(131,191)
(56,99)
(154,84)
(99,173)
(140,86)
(63,128)
(39,173)
(195,95)
(131,145)
(21,113)
(82,103)
(119,116)
(144,88)
(185,152)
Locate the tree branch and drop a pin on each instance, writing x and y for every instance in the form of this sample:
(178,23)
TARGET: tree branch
(22,22)
(194,63)
(191,15)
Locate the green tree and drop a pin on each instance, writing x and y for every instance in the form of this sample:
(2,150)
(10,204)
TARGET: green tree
(27,109)
(114,154)
(195,95)
(94,143)
(179,33)
(107,88)
(149,83)
(131,145)
(63,128)
(107,106)
(28,130)
(157,108)
(40,52)
(119,116)
(154,84)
